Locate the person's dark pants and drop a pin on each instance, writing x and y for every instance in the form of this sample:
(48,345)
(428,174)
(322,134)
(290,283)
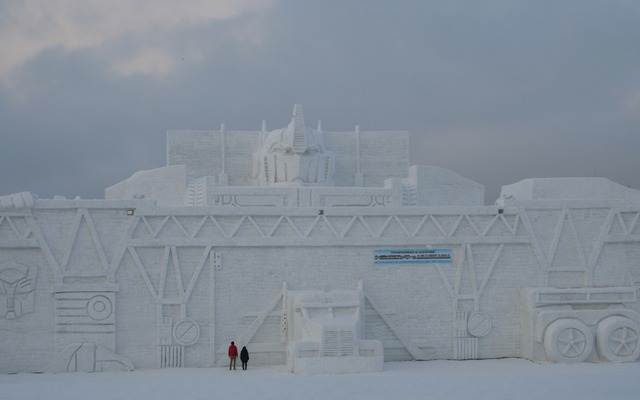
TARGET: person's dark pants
(244,365)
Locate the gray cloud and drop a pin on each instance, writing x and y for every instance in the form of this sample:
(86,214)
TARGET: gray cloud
(496,91)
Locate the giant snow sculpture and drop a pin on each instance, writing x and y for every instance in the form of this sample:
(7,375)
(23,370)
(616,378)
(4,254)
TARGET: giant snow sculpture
(324,251)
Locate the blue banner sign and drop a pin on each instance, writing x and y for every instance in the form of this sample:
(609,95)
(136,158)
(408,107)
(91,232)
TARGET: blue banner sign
(439,256)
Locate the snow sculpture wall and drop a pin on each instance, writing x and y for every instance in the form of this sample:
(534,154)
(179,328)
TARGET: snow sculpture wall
(179,261)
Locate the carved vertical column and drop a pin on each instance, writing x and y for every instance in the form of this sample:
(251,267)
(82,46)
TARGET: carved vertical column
(465,347)
(223,178)
(215,263)
(359,178)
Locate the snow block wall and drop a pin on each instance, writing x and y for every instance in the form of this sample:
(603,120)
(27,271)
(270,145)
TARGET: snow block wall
(413,269)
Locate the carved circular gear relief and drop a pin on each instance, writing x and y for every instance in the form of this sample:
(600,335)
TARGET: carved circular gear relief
(99,308)
(186,332)
(478,324)
(617,339)
(568,340)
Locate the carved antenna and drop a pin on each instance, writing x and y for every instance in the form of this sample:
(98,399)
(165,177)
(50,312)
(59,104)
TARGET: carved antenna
(299,138)
(222,149)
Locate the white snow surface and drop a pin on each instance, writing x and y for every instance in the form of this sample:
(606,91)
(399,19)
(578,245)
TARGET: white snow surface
(487,379)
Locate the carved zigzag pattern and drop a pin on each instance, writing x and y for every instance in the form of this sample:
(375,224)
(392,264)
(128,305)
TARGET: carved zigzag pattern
(378,226)
(14,228)
(171,269)
(563,236)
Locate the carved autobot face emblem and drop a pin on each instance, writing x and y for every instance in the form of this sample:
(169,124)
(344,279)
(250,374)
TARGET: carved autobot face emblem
(17,288)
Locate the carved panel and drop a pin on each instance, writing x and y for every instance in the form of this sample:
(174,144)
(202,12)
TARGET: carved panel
(85,313)
(17,289)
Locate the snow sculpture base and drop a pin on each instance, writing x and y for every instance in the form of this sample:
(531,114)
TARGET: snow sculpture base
(304,364)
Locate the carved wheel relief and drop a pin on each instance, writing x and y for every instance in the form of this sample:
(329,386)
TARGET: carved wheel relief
(568,340)
(617,339)
(186,332)
(478,324)
(99,308)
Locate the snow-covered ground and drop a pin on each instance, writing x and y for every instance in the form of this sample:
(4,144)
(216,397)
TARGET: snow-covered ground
(489,379)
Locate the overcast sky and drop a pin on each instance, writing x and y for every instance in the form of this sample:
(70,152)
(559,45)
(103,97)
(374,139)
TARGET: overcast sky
(497,91)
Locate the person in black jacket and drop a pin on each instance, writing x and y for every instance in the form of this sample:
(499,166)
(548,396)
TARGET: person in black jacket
(244,357)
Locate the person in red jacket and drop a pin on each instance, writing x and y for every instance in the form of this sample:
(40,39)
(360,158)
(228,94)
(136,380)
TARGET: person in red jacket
(233,354)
